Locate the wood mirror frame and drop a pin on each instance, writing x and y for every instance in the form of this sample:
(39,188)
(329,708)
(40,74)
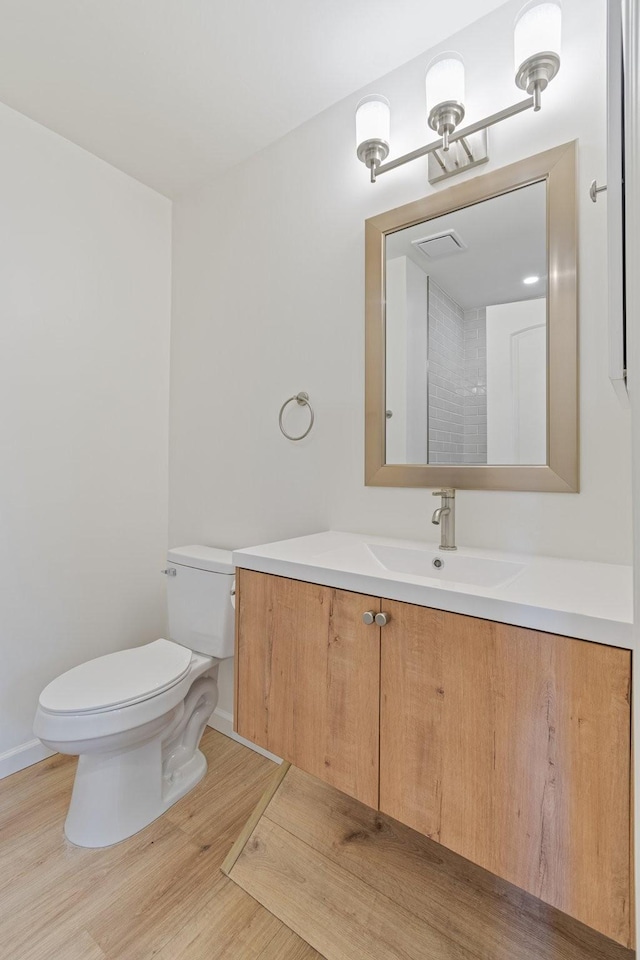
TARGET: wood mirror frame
(557,167)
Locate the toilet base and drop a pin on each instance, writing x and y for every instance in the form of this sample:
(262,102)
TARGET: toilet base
(190,775)
(119,789)
(117,795)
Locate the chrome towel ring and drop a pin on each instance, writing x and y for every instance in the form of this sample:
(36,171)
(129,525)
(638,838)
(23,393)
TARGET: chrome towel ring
(302,399)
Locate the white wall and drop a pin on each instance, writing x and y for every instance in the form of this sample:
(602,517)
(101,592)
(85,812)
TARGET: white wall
(632,252)
(85,278)
(417,299)
(268,300)
(396,355)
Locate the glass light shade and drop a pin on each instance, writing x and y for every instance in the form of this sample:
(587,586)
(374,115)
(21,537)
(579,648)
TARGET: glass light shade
(373,119)
(537,30)
(445,81)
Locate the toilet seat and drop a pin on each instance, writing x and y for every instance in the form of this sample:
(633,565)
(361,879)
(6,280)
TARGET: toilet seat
(118,679)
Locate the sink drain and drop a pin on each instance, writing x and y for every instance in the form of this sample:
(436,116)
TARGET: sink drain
(438,563)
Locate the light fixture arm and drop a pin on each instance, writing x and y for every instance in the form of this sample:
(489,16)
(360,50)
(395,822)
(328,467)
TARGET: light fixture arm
(461,134)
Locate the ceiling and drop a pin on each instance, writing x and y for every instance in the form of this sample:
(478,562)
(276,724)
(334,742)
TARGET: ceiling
(174,91)
(505,241)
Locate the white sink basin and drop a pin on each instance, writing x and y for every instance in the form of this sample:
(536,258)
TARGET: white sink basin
(449,567)
(572,598)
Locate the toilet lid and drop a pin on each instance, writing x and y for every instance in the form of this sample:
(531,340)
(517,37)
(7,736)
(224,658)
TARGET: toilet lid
(118,679)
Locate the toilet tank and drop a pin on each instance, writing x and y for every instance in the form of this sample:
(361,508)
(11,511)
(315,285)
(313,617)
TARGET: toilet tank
(199,594)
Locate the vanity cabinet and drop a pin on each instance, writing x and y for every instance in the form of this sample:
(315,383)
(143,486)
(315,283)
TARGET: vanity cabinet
(512,748)
(308,679)
(509,746)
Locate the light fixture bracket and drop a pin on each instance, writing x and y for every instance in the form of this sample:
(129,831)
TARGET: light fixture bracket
(466,153)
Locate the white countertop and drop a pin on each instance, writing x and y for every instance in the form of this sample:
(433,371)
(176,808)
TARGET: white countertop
(573,598)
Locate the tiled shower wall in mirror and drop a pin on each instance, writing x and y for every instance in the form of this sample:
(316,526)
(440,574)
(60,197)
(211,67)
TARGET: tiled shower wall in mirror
(457,381)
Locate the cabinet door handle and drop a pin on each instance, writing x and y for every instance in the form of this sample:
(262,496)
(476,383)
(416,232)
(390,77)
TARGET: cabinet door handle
(369,617)
(382,619)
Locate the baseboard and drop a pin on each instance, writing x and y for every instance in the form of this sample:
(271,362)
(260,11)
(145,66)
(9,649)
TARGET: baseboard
(23,756)
(222,721)
(34,751)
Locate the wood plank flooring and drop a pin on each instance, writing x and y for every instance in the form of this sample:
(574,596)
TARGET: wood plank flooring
(358,885)
(158,895)
(318,865)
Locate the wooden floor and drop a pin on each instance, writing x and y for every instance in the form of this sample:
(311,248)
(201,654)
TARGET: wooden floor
(360,886)
(355,884)
(160,894)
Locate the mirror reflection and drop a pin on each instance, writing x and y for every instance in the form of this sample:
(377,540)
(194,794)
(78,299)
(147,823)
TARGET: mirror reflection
(466,335)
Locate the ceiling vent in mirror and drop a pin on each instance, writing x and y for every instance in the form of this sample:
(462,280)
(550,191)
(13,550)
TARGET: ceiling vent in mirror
(442,244)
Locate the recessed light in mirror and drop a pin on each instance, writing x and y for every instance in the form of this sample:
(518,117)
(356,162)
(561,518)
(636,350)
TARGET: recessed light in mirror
(529,280)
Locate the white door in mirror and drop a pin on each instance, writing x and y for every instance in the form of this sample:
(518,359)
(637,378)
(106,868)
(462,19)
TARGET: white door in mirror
(517,382)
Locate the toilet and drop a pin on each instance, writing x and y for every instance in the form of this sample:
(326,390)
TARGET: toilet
(135,718)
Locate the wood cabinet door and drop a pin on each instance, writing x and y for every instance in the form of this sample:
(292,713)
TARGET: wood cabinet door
(512,747)
(308,679)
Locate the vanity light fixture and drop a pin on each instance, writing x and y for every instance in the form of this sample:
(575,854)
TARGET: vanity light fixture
(537,57)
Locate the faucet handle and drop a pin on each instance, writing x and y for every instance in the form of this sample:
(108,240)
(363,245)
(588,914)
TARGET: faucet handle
(446,492)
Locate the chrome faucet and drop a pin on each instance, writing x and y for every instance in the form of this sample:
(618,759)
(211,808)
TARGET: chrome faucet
(447,514)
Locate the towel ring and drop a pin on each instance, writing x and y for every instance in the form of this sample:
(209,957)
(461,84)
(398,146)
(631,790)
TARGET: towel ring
(302,399)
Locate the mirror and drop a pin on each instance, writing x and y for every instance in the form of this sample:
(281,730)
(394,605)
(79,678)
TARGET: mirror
(466,334)
(471,333)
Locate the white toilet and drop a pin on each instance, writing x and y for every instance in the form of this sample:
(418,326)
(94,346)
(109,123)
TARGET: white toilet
(135,718)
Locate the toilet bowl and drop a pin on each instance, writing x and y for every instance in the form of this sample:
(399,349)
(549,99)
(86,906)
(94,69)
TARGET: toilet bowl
(135,717)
